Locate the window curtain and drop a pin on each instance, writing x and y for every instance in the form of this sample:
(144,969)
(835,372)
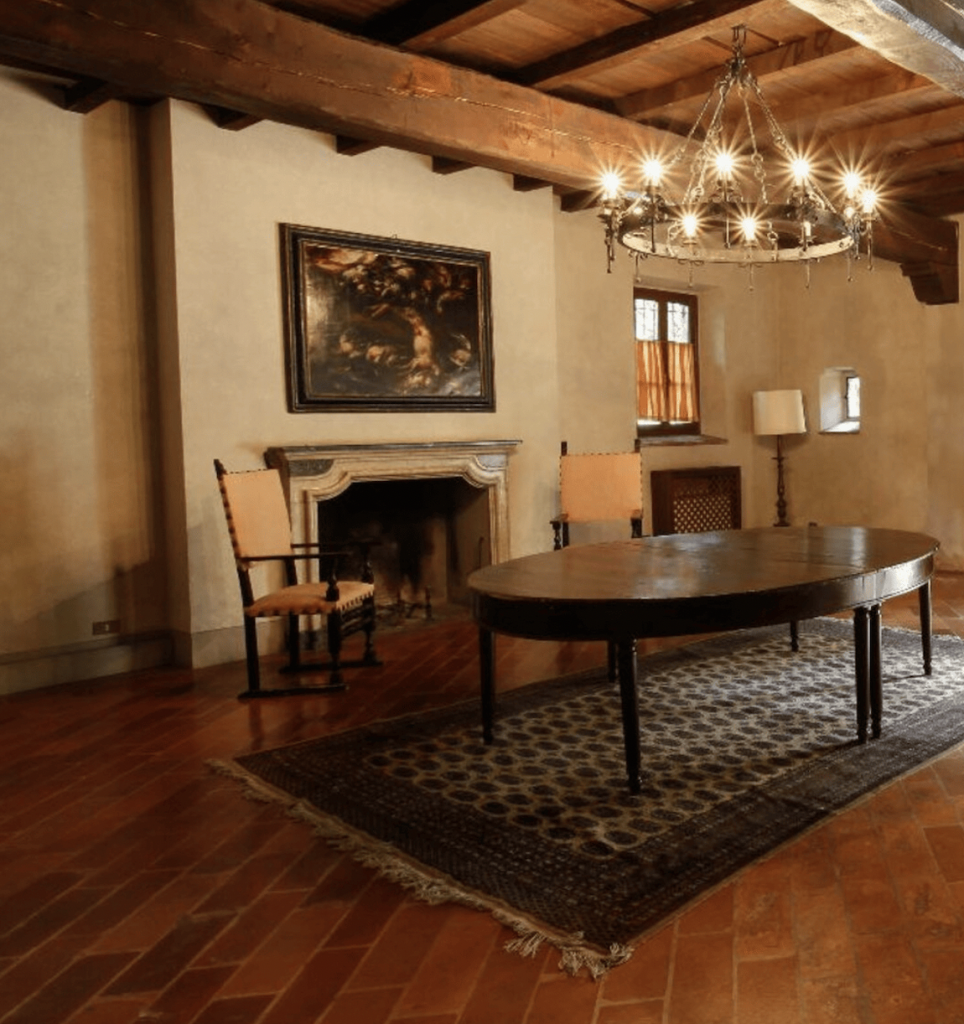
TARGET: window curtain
(666,381)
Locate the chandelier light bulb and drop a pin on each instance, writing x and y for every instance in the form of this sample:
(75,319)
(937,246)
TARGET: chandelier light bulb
(868,200)
(690,224)
(801,170)
(611,185)
(749,226)
(652,172)
(724,165)
(851,184)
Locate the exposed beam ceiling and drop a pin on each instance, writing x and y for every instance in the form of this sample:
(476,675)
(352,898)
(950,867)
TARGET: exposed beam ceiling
(547,91)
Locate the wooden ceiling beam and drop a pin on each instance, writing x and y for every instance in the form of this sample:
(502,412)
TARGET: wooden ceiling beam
(623,44)
(950,204)
(926,249)
(932,186)
(231,120)
(574,202)
(520,183)
(909,166)
(347,146)
(444,165)
(890,137)
(418,24)
(771,62)
(89,94)
(244,56)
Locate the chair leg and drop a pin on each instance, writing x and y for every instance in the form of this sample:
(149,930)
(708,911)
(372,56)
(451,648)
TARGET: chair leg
(335,636)
(251,654)
(368,628)
(294,643)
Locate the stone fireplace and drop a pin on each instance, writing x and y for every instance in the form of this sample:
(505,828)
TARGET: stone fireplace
(434,511)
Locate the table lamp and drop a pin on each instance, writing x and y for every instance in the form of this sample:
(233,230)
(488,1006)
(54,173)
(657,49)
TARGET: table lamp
(778,413)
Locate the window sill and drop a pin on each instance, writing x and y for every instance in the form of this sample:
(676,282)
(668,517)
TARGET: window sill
(678,440)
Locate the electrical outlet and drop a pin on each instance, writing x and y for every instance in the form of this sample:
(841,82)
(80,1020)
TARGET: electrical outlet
(105,627)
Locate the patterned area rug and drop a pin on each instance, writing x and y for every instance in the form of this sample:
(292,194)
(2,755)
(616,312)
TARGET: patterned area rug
(745,745)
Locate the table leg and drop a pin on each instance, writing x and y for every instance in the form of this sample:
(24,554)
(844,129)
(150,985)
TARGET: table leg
(924,602)
(794,636)
(862,669)
(487,679)
(626,662)
(874,671)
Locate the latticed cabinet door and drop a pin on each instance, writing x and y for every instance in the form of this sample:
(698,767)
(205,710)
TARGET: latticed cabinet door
(696,500)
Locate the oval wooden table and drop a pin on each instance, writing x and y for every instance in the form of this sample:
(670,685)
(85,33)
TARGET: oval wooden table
(683,584)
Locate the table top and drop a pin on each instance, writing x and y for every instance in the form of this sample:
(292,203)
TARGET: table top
(680,584)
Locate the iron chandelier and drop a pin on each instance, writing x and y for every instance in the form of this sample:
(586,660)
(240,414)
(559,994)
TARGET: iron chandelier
(730,211)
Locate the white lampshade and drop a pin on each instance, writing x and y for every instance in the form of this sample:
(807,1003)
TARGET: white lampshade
(778,412)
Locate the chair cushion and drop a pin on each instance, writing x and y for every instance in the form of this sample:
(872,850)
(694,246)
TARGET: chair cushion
(309,599)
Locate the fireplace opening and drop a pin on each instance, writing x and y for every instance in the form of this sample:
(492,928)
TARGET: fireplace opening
(425,536)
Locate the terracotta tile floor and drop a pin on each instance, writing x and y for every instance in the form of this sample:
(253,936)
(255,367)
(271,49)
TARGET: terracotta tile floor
(136,886)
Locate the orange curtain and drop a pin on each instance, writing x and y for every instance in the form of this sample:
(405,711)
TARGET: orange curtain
(666,381)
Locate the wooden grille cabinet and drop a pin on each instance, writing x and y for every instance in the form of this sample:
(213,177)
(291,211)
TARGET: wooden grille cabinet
(696,500)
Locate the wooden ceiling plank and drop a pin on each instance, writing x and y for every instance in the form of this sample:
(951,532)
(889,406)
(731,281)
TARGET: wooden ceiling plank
(623,44)
(857,96)
(416,23)
(780,58)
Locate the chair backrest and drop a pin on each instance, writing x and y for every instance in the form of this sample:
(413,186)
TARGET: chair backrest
(257,513)
(600,486)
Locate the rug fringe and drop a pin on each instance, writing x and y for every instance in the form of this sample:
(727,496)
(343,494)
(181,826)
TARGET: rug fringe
(424,886)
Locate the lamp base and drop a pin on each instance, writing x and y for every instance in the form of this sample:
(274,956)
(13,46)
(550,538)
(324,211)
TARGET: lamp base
(781,488)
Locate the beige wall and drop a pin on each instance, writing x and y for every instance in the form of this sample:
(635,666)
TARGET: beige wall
(142,338)
(80,537)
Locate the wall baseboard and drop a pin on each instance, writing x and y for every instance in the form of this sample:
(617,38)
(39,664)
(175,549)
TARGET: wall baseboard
(34,670)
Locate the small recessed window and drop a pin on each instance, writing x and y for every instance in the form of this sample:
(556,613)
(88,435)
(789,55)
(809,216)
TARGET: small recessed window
(839,401)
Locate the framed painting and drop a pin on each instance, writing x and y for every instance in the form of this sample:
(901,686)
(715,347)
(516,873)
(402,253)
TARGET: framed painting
(383,325)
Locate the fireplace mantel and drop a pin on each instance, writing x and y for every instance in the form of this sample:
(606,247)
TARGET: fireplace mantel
(315,473)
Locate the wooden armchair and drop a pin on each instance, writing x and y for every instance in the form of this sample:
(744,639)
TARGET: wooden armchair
(260,529)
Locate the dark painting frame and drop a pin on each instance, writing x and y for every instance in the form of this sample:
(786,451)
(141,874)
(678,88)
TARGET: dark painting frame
(384,325)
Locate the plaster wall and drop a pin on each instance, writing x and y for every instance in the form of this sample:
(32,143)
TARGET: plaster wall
(905,468)
(80,538)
